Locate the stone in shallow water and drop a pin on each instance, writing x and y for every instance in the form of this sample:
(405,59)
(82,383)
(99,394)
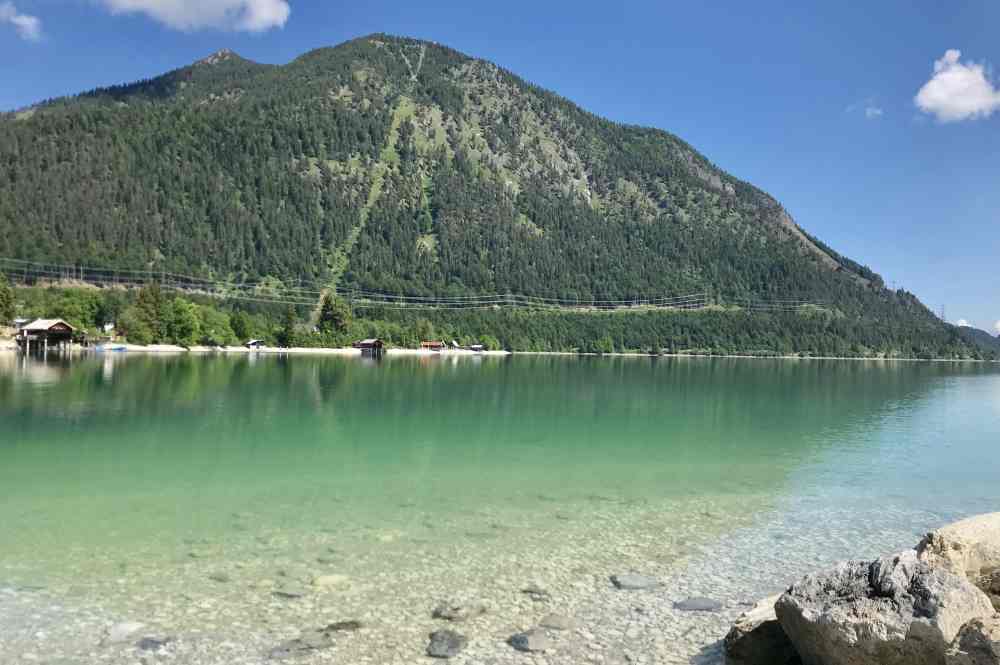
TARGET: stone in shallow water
(458,611)
(536,593)
(531,641)
(634,581)
(309,641)
(220,577)
(290,591)
(343,626)
(153,643)
(698,604)
(445,644)
(555,621)
(325,581)
(121,632)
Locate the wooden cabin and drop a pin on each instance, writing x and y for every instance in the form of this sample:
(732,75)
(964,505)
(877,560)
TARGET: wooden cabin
(255,344)
(45,333)
(370,347)
(433,345)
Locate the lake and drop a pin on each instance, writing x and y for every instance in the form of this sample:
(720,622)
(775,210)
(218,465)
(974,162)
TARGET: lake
(231,503)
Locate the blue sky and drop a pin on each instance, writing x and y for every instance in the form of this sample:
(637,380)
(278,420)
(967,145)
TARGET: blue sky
(877,126)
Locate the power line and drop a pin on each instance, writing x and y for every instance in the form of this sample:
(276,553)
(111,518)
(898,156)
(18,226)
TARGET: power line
(306,293)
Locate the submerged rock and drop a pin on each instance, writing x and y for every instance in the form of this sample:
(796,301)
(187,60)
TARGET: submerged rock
(536,593)
(153,643)
(970,547)
(757,638)
(446,644)
(531,641)
(121,632)
(977,644)
(458,611)
(312,640)
(344,626)
(698,604)
(634,582)
(220,577)
(290,590)
(326,581)
(892,611)
(555,621)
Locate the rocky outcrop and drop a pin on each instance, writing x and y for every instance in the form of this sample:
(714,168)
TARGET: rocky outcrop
(977,644)
(971,548)
(758,639)
(895,610)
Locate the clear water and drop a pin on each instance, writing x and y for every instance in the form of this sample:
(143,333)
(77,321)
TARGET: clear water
(126,481)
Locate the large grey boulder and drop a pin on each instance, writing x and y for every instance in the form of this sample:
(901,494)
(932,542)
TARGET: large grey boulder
(977,644)
(971,548)
(892,611)
(757,638)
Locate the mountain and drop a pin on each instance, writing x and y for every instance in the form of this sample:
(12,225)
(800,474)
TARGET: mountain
(403,166)
(981,339)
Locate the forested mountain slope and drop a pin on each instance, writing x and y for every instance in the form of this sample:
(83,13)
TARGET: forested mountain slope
(397,165)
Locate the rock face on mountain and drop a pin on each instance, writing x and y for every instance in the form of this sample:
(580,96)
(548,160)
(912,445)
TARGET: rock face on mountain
(892,611)
(970,548)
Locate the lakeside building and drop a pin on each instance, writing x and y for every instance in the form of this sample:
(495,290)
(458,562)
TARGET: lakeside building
(433,345)
(370,347)
(45,333)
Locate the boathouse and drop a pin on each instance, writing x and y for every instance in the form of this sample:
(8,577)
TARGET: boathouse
(45,333)
(432,345)
(370,347)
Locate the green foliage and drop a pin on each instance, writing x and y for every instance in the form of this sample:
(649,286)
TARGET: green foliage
(239,323)
(133,325)
(152,310)
(183,323)
(334,315)
(7,309)
(214,327)
(287,335)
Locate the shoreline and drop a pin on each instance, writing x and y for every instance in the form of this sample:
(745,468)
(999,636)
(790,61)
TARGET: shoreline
(10,347)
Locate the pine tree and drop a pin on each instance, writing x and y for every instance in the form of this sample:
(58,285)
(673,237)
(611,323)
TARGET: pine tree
(334,315)
(6,302)
(286,335)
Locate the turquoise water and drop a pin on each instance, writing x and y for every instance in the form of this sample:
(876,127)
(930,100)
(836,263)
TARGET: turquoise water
(130,478)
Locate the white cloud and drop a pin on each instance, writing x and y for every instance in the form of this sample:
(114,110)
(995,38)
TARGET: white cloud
(188,15)
(869,108)
(962,323)
(996,326)
(29,27)
(958,91)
